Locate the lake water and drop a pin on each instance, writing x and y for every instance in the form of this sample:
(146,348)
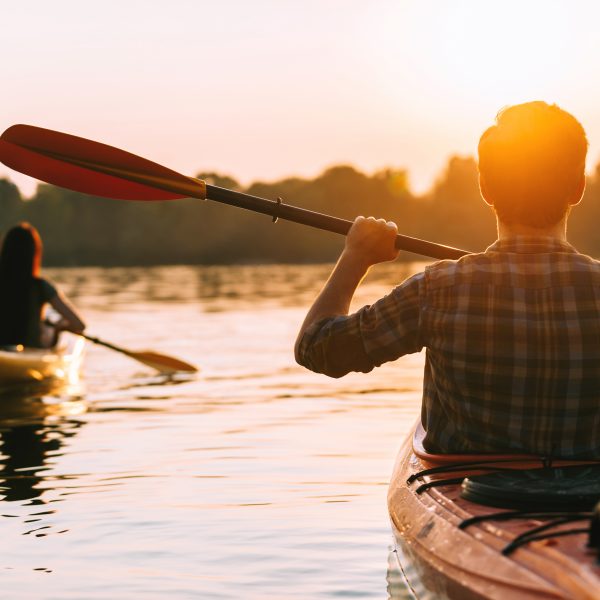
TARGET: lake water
(256,479)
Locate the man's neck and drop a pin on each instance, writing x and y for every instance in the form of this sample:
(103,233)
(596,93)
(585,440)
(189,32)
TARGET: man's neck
(557,231)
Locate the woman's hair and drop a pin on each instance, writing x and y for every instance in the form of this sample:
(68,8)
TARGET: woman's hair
(20,263)
(532,163)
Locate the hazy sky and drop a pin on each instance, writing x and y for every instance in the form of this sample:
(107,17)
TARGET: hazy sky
(262,89)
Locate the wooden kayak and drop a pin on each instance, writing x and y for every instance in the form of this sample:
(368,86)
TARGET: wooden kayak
(29,365)
(452,547)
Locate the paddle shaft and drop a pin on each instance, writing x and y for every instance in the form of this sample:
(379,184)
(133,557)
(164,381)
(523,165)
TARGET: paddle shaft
(278,210)
(100,342)
(91,338)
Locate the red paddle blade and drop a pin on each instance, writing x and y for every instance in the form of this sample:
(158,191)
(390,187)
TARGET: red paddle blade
(91,167)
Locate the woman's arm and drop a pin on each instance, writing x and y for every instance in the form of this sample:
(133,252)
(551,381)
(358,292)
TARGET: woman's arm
(70,320)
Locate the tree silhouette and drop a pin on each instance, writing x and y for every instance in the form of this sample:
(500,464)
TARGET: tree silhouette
(83,230)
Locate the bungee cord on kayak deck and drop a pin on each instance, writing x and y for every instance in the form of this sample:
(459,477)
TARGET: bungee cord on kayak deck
(554,488)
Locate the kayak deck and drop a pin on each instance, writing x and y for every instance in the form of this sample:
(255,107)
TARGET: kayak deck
(468,562)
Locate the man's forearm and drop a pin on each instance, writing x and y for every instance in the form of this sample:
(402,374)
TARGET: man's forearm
(335,297)
(369,241)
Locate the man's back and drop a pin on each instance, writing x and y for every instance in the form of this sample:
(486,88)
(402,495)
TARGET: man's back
(512,334)
(513,350)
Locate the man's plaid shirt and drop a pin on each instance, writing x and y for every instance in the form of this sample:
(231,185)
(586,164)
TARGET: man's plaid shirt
(513,348)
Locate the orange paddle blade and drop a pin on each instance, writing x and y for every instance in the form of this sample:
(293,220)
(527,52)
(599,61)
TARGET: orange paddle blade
(161,362)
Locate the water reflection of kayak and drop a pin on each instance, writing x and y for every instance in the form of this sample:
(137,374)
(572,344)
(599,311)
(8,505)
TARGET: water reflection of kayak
(497,527)
(60,364)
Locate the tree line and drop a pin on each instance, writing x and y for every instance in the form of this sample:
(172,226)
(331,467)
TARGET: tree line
(78,229)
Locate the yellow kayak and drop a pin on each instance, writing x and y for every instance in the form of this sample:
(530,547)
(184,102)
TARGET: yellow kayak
(62,363)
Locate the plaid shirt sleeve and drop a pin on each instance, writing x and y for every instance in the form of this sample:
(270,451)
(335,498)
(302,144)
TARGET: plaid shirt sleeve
(366,339)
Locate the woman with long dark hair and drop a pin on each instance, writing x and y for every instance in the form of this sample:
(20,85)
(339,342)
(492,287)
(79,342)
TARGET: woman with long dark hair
(24,295)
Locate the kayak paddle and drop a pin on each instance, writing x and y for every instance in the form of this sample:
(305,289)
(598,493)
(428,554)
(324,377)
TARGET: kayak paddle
(161,362)
(100,170)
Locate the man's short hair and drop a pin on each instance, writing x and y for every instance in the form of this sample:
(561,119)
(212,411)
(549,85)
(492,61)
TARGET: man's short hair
(531,163)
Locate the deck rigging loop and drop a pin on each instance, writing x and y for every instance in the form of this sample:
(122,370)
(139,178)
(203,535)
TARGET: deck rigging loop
(556,495)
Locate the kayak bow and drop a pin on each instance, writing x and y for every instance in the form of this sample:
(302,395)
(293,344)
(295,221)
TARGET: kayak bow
(22,365)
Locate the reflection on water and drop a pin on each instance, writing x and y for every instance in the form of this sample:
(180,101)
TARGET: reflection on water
(35,420)
(26,450)
(255,479)
(214,288)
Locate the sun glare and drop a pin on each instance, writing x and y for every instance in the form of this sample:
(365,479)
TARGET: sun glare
(444,69)
(504,50)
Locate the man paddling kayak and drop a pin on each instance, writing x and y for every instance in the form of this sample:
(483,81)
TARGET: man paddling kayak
(512,334)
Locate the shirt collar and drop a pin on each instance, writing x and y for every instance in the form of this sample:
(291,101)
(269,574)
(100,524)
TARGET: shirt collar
(529,244)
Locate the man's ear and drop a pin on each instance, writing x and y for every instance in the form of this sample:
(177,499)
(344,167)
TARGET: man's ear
(484,191)
(577,195)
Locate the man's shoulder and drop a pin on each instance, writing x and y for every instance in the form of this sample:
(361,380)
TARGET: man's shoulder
(534,269)
(447,271)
